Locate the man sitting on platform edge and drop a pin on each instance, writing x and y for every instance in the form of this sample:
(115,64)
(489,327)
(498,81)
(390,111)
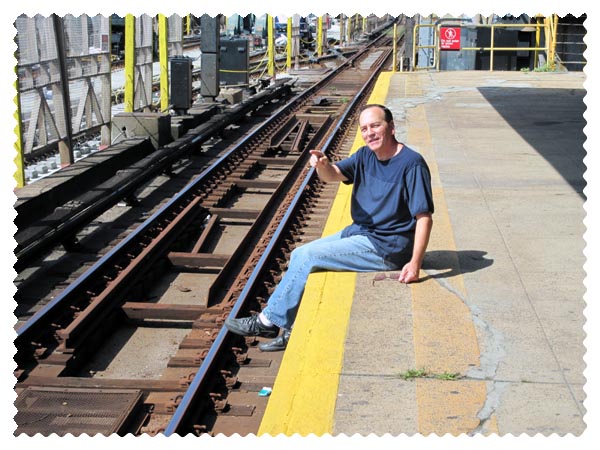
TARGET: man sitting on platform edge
(391,209)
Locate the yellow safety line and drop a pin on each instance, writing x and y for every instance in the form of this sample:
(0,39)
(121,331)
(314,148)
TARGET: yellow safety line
(305,391)
(445,340)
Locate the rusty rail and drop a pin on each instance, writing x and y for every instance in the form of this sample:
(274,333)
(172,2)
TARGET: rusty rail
(60,332)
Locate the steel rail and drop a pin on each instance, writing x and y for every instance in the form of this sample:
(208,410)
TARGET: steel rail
(150,166)
(41,317)
(45,315)
(182,413)
(178,202)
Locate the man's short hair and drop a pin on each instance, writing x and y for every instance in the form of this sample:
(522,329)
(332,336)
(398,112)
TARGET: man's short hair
(388,116)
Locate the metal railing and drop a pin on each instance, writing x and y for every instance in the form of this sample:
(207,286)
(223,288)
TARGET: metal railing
(547,25)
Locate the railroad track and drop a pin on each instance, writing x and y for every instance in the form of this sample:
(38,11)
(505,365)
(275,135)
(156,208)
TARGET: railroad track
(257,70)
(135,342)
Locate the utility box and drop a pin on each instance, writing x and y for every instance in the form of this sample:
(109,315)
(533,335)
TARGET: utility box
(156,126)
(210,57)
(209,34)
(235,61)
(232,95)
(181,84)
(209,75)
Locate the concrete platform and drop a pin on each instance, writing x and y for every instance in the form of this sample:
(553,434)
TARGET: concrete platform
(491,340)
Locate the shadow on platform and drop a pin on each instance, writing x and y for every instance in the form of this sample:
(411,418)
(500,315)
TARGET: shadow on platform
(551,121)
(451,263)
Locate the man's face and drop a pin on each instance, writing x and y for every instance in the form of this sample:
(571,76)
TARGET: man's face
(376,132)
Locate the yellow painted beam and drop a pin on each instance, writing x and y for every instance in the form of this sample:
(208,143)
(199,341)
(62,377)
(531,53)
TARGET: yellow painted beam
(19,160)
(163,57)
(270,47)
(320,36)
(288,44)
(129,63)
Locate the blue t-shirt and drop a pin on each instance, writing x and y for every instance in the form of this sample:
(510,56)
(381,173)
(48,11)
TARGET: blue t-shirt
(386,198)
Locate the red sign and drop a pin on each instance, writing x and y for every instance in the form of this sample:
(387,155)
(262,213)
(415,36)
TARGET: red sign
(450,38)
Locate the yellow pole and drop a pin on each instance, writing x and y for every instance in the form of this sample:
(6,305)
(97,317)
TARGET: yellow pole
(19,161)
(554,30)
(163,58)
(548,36)
(320,36)
(414,47)
(288,47)
(492,49)
(129,62)
(395,49)
(270,46)
(349,29)
(438,44)
(537,41)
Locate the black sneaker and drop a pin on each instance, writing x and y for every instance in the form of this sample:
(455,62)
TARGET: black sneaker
(276,345)
(251,326)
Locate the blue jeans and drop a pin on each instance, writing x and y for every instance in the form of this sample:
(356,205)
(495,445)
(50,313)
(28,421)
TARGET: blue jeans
(333,253)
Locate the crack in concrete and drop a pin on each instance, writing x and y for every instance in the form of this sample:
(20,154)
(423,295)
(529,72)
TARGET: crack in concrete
(495,389)
(491,353)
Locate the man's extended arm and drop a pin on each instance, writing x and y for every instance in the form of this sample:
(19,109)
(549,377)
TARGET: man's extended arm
(325,170)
